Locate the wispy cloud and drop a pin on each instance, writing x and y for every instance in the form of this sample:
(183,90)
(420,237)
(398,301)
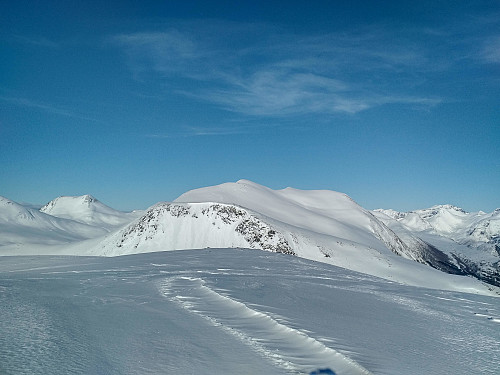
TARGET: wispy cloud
(490,52)
(196,131)
(23,102)
(37,41)
(28,103)
(282,74)
(165,52)
(467,41)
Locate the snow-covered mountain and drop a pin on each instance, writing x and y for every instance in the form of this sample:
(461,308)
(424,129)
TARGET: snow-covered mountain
(87,209)
(469,241)
(324,226)
(21,227)
(180,226)
(321,212)
(452,222)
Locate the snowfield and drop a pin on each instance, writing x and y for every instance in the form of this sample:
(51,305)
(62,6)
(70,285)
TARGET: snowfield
(233,311)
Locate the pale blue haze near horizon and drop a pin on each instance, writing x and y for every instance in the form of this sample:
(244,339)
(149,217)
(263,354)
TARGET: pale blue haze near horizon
(395,103)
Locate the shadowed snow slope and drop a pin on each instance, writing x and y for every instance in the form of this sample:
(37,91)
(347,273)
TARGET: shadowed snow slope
(86,209)
(232,311)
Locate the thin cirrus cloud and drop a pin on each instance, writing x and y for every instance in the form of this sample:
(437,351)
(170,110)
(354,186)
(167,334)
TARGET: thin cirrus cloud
(195,131)
(47,108)
(281,74)
(37,41)
(491,50)
(27,103)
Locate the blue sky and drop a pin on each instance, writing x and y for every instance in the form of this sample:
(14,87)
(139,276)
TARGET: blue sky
(395,103)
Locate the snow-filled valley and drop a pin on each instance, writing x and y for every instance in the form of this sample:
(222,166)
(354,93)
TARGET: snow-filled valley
(228,311)
(88,289)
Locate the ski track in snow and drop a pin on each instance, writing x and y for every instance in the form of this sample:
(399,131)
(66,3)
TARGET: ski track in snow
(286,347)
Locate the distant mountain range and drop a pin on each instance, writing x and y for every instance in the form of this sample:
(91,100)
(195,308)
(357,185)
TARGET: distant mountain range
(469,242)
(87,210)
(324,226)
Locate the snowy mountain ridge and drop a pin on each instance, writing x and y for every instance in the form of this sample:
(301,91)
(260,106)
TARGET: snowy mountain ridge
(451,222)
(324,226)
(20,226)
(182,226)
(88,210)
(469,241)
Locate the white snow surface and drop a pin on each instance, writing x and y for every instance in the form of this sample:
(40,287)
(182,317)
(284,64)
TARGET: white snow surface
(233,311)
(26,229)
(88,210)
(451,229)
(451,222)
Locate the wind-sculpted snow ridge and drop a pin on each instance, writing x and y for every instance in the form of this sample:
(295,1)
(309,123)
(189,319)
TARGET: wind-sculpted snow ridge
(176,226)
(233,311)
(286,347)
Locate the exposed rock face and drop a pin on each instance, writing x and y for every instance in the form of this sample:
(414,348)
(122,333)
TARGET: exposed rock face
(261,235)
(172,226)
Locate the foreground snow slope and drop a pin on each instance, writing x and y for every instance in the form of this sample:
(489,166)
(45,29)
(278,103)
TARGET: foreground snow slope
(233,311)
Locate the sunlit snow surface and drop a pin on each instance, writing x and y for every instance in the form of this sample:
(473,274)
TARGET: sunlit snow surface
(233,311)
